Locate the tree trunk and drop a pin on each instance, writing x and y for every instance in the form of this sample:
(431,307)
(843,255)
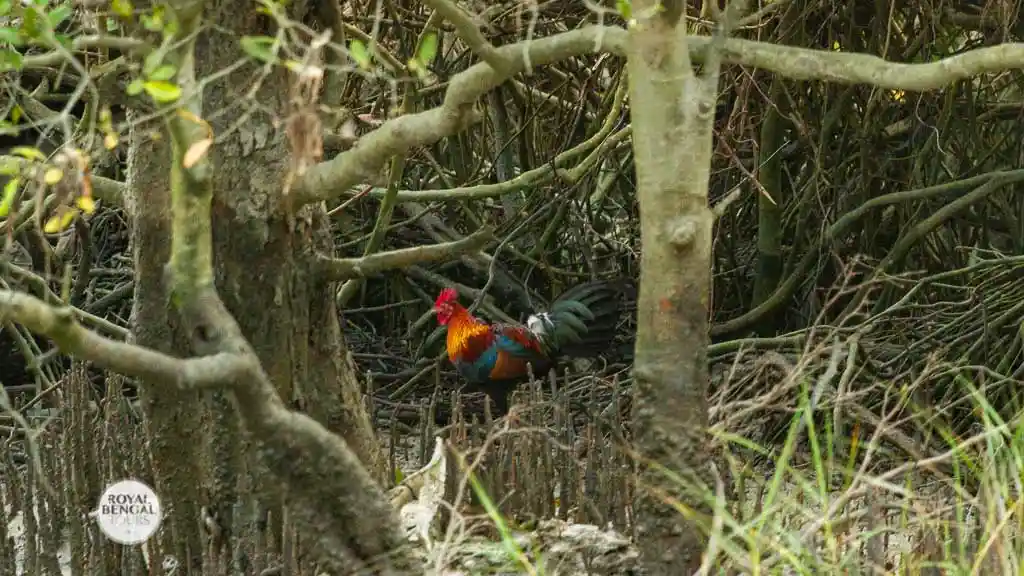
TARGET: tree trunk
(262,274)
(672,112)
(172,416)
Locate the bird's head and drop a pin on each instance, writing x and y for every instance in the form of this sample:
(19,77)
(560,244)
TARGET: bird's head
(445,305)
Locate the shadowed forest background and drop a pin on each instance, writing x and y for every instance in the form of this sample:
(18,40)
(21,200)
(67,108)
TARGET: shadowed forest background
(226,224)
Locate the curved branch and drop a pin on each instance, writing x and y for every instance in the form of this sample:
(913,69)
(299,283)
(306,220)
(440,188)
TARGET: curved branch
(333,178)
(344,268)
(59,325)
(850,68)
(469,32)
(349,527)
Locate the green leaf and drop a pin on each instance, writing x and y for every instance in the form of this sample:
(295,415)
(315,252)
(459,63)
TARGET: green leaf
(428,49)
(5,7)
(58,15)
(161,91)
(399,476)
(10,36)
(259,47)
(154,21)
(153,61)
(29,152)
(359,53)
(135,88)
(10,190)
(30,24)
(625,9)
(151,23)
(165,72)
(122,8)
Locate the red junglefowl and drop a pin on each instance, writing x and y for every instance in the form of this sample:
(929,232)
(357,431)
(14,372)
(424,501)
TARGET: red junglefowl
(493,358)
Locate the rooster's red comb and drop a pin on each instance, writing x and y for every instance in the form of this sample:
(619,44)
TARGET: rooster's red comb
(447,295)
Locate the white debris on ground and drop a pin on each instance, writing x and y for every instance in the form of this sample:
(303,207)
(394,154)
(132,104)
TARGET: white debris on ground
(577,548)
(16,533)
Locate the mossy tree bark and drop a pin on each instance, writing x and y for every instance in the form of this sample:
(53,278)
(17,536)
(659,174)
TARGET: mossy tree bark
(172,416)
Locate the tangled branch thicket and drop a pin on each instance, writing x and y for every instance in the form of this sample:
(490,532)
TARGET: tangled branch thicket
(868,300)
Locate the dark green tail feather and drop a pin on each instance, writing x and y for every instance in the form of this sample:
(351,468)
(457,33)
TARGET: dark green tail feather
(582,321)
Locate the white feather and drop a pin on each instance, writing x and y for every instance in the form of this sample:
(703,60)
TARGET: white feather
(538,324)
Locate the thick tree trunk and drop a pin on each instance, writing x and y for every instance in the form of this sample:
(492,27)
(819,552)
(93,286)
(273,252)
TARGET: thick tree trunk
(672,112)
(262,274)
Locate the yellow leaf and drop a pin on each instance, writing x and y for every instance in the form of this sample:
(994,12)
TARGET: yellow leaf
(53,175)
(29,152)
(185,114)
(60,221)
(10,191)
(162,91)
(110,141)
(122,8)
(86,204)
(196,152)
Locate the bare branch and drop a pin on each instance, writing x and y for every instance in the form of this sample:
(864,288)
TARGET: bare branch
(132,45)
(470,32)
(345,268)
(725,23)
(849,68)
(331,179)
(59,325)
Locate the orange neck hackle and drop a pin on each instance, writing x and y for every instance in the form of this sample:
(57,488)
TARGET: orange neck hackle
(461,324)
